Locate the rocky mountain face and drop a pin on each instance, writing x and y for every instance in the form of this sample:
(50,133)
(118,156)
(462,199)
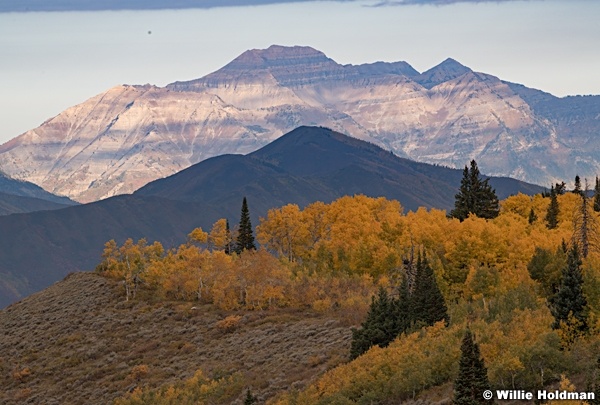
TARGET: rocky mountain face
(118,141)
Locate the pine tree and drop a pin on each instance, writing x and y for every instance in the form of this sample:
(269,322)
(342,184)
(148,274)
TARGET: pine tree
(428,303)
(472,378)
(597,195)
(532,217)
(380,327)
(569,304)
(228,247)
(245,239)
(553,210)
(250,399)
(585,226)
(475,196)
(577,188)
(403,311)
(463,200)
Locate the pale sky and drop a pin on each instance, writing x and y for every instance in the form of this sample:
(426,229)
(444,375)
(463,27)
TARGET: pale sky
(51,61)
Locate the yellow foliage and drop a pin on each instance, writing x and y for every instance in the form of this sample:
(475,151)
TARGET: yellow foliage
(566,385)
(219,238)
(229,323)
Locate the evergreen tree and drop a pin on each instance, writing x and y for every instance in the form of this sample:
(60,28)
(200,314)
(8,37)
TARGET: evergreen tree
(545,267)
(403,310)
(245,239)
(553,210)
(532,217)
(475,196)
(585,226)
(428,304)
(569,301)
(577,188)
(250,399)
(597,195)
(380,327)
(228,246)
(472,378)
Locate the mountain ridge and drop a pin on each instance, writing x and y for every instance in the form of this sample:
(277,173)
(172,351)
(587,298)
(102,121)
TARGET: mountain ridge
(117,141)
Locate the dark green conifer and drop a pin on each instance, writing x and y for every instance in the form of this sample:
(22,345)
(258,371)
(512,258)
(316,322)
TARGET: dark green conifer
(475,196)
(532,217)
(403,310)
(545,267)
(472,378)
(245,239)
(228,247)
(577,188)
(428,304)
(380,327)
(553,210)
(560,188)
(250,399)
(597,195)
(569,300)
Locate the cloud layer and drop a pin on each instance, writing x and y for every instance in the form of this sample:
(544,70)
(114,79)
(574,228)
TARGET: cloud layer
(95,5)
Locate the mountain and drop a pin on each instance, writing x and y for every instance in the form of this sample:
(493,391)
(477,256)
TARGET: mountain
(300,167)
(117,141)
(17,196)
(26,189)
(317,164)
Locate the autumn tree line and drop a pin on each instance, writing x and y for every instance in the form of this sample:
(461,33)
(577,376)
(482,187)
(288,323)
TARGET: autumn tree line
(515,283)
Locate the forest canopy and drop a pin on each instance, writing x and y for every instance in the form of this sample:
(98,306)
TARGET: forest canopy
(501,276)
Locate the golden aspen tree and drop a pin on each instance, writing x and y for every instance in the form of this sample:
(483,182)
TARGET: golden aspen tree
(284,232)
(219,237)
(198,236)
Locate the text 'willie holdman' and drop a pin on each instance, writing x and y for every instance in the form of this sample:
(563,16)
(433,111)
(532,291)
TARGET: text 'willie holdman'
(540,395)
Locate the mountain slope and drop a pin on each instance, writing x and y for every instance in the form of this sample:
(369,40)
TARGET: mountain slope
(17,196)
(301,167)
(310,164)
(40,248)
(130,135)
(14,204)
(78,342)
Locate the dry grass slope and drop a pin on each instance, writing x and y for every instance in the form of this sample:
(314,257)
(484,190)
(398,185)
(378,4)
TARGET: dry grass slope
(78,342)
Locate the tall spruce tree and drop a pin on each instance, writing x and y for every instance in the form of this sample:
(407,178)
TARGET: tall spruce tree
(577,188)
(475,196)
(380,327)
(245,239)
(585,226)
(228,247)
(428,304)
(569,302)
(597,195)
(472,378)
(553,210)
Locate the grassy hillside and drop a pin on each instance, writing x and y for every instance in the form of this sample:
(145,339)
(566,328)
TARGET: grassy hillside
(78,342)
